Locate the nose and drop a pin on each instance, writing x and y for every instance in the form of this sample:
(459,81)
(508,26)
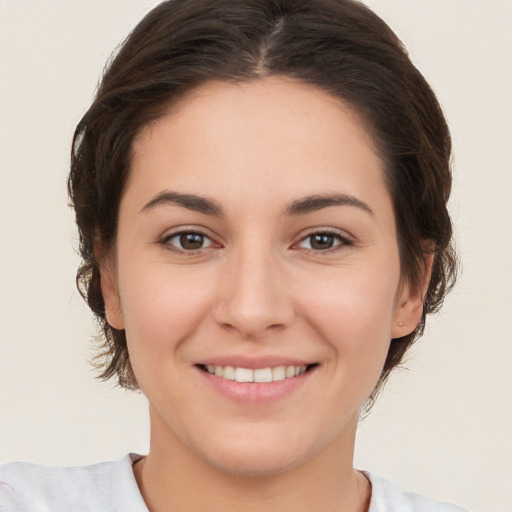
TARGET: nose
(254,298)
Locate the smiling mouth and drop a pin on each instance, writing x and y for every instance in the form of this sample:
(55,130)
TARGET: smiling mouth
(259,375)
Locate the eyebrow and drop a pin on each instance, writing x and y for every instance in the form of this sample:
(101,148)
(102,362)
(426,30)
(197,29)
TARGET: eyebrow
(301,206)
(319,201)
(189,201)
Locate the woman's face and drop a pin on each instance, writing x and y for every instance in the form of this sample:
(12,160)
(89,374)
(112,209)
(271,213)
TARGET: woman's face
(257,242)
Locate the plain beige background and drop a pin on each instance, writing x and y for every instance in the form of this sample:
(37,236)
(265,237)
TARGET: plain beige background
(442,428)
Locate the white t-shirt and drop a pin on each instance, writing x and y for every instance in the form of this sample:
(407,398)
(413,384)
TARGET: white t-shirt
(111,487)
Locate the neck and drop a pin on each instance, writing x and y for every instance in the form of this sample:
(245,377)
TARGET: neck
(172,477)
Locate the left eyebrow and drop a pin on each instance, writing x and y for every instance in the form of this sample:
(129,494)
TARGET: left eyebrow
(189,201)
(317,202)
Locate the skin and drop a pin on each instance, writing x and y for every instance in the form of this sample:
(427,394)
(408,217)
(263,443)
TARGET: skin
(256,287)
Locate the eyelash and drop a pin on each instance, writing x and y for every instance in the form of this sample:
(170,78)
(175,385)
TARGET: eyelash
(343,242)
(166,241)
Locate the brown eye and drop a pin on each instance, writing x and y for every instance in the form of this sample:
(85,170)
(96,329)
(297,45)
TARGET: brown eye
(324,241)
(189,241)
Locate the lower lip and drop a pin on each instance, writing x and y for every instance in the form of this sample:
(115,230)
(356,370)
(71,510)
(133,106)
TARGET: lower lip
(255,392)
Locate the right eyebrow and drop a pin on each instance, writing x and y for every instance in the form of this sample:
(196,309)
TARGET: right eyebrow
(189,201)
(317,202)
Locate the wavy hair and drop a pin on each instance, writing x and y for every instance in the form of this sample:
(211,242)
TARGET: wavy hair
(338,45)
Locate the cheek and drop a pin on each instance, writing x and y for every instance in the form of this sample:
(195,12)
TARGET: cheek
(351,301)
(161,307)
(353,312)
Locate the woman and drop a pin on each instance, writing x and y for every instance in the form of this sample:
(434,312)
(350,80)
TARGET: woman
(260,189)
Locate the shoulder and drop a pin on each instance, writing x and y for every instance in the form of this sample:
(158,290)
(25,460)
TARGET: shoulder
(107,486)
(388,497)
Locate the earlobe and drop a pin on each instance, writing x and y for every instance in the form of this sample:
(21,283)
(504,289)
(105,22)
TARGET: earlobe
(113,312)
(407,317)
(110,292)
(409,307)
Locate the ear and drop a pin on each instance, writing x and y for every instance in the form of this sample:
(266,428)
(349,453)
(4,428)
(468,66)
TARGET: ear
(109,288)
(409,306)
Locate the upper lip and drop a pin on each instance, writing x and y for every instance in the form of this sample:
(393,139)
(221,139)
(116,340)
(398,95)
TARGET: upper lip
(253,363)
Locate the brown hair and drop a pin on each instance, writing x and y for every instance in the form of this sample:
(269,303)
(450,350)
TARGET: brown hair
(338,45)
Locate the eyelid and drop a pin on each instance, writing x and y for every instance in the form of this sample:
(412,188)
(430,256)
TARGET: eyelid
(185,230)
(345,239)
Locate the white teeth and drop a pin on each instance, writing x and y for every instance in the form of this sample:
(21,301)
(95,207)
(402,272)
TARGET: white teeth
(263,375)
(268,374)
(229,373)
(244,375)
(279,373)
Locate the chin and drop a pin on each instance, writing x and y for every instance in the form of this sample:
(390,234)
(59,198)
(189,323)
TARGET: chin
(250,464)
(255,456)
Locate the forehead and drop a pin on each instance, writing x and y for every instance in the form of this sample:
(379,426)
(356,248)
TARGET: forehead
(251,102)
(262,136)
